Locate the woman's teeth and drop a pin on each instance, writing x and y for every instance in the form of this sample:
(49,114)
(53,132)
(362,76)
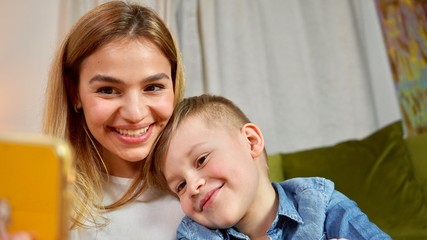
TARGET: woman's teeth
(132,133)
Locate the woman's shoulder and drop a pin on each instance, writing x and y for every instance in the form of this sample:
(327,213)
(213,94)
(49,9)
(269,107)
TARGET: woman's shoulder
(156,218)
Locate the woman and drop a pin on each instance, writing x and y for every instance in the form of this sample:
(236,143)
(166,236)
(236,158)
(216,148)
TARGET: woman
(111,90)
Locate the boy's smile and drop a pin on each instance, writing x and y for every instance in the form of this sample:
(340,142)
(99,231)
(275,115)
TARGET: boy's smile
(207,200)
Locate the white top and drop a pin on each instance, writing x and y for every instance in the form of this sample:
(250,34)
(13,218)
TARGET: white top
(142,219)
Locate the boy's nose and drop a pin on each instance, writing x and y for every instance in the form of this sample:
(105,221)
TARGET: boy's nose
(197,185)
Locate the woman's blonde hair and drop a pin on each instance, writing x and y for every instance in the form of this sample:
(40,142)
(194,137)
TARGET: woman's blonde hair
(105,23)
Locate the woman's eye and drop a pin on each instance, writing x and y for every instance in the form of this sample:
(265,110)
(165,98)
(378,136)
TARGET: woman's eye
(106,90)
(154,88)
(180,187)
(201,161)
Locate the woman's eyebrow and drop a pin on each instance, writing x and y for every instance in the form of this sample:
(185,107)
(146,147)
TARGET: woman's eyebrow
(104,78)
(156,77)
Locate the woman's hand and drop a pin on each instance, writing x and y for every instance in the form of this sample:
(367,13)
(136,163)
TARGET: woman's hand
(4,220)
(18,236)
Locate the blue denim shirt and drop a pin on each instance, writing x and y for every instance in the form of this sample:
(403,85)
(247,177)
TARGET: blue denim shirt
(309,208)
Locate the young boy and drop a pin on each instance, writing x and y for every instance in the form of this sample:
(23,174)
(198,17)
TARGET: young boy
(213,159)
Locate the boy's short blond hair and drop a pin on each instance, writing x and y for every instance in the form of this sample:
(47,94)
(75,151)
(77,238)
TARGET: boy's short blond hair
(215,110)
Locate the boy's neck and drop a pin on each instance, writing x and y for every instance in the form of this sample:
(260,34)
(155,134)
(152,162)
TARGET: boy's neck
(260,217)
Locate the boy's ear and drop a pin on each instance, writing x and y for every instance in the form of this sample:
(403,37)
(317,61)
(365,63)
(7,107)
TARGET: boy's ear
(255,139)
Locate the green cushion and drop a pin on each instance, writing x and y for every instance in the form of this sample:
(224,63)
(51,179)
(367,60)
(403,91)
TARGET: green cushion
(376,172)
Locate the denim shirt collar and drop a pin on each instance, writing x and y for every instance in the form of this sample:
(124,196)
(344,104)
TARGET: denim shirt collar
(286,206)
(285,210)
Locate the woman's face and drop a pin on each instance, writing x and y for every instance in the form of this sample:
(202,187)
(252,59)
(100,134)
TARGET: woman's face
(126,93)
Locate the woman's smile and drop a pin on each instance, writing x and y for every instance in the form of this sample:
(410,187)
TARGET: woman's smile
(132,133)
(133,136)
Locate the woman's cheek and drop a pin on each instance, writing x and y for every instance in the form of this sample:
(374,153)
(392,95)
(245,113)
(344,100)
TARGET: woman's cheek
(165,108)
(98,113)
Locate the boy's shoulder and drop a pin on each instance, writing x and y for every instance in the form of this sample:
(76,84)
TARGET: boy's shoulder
(305,200)
(190,229)
(301,185)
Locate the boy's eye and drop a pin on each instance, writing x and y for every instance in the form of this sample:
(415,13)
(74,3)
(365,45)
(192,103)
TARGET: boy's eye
(180,187)
(201,161)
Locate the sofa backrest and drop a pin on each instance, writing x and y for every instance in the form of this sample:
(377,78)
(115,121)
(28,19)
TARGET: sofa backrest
(384,173)
(417,147)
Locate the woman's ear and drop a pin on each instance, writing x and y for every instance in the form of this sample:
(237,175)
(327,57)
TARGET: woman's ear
(255,139)
(77,104)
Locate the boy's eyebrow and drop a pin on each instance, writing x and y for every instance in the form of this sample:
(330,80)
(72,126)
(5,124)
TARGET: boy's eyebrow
(110,79)
(190,152)
(170,179)
(193,148)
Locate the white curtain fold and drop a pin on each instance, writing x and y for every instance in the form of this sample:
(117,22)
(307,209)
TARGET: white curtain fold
(301,70)
(295,67)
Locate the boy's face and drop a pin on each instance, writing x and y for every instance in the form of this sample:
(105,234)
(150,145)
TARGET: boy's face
(212,171)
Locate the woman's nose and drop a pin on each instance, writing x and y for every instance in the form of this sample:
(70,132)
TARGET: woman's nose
(133,107)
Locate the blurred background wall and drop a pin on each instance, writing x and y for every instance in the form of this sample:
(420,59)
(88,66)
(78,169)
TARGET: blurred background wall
(28,37)
(229,47)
